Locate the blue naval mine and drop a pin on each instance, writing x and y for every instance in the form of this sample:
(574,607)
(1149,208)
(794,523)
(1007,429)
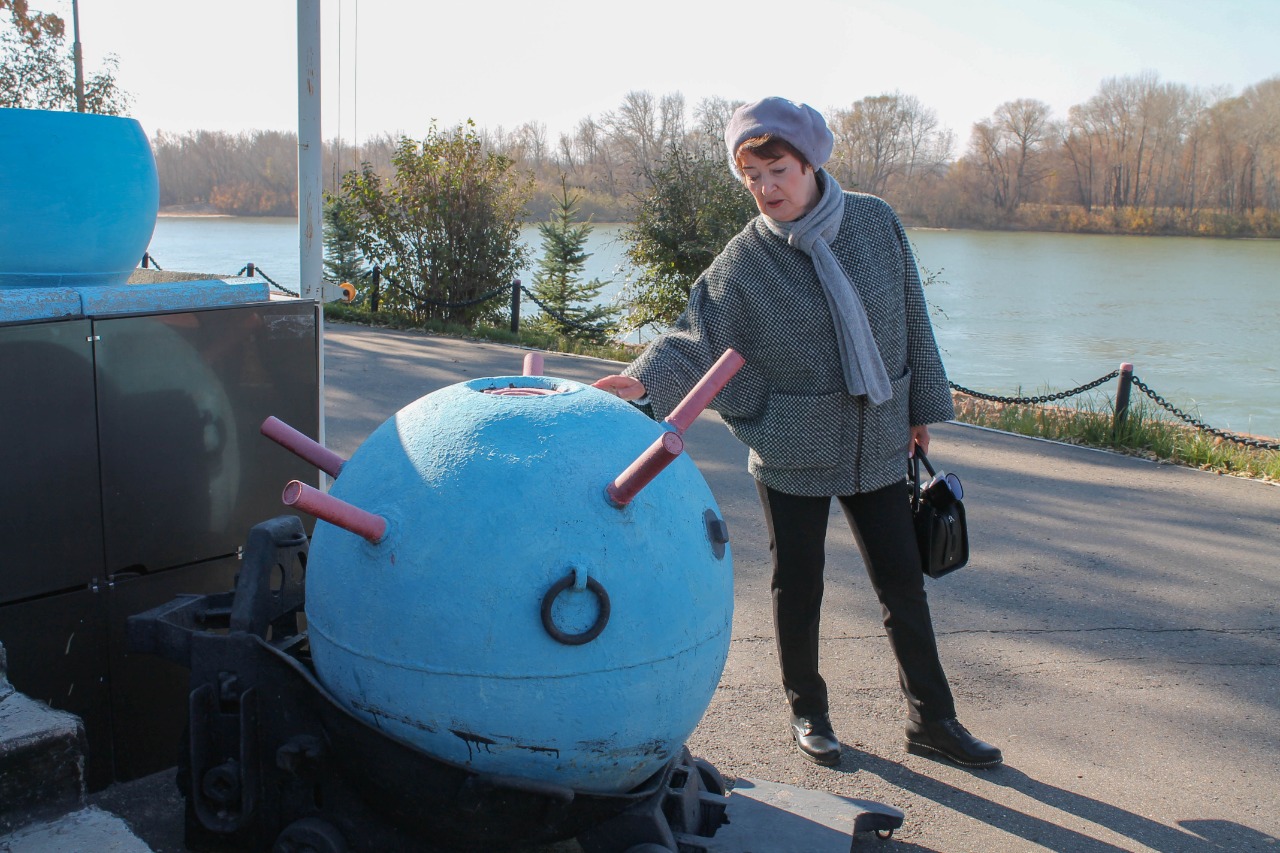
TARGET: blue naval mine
(526,600)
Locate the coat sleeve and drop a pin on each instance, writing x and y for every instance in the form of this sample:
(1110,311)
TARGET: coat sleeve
(672,364)
(930,393)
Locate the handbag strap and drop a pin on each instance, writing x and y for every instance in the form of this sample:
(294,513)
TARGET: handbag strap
(925,459)
(913,474)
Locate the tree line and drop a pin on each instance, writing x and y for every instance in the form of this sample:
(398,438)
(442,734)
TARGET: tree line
(1140,156)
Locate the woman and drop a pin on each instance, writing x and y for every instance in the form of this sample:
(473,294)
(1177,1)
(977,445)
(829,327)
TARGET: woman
(821,296)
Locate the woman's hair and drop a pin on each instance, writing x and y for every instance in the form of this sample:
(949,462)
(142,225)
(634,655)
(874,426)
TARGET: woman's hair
(769,147)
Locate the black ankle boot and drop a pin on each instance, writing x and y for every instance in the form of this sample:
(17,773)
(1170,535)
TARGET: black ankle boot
(949,739)
(816,739)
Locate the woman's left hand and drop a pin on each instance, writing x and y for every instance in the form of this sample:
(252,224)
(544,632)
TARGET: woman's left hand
(920,436)
(622,387)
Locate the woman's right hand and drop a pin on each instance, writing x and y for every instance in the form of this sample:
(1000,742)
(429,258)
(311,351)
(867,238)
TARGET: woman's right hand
(622,387)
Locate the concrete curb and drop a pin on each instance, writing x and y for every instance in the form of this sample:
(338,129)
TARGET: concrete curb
(89,829)
(41,758)
(42,785)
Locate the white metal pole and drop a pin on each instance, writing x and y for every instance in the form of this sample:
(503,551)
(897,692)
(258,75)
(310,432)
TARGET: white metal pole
(310,177)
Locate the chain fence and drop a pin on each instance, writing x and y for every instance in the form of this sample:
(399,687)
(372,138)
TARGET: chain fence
(1044,398)
(1248,441)
(253,269)
(465,303)
(250,270)
(567,322)
(1127,378)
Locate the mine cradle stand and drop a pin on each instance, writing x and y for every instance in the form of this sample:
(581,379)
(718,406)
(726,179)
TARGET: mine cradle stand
(273,762)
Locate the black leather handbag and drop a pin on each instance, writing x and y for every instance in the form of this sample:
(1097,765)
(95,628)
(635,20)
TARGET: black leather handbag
(938,513)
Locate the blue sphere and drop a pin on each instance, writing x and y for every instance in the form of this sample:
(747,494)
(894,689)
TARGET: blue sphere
(450,633)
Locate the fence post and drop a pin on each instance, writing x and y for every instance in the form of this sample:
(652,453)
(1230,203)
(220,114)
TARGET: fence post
(374,295)
(515,306)
(1122,397)
(249,269)
(146,259)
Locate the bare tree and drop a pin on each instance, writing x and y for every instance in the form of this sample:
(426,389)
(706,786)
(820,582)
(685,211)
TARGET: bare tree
(1008,150)
(1226,129)
(927,148)
(1169,114)
(710,118)
(634,129)
(672,124)
(871,142)
(587,140)
(1261,143)
(1119,116)
(1027,127)
(565,156)
(641,129)
(992,162)
(1078,143)
(927,155)
(532,138)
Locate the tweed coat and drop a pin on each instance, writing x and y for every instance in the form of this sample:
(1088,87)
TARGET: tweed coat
(807,435)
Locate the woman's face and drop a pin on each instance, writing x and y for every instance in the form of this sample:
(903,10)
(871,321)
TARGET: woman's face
(783,189)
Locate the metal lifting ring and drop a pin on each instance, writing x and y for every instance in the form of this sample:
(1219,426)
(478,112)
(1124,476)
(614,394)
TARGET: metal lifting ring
(586,636)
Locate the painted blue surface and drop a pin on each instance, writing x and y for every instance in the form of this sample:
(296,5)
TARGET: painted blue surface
(29,304)
(19,305)
(78,198)
(171,296)
(435,633)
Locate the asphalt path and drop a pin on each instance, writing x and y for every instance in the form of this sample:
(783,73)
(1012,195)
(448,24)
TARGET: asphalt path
(1116,633)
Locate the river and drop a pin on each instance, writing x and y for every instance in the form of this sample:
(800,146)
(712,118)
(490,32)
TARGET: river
(1014,313)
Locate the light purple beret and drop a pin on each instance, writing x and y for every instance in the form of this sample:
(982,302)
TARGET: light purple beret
(800,124)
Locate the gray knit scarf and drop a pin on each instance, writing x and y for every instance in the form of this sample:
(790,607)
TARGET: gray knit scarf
(812,234)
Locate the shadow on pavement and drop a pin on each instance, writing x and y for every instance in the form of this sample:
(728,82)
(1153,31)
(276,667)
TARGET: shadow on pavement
(1199,837)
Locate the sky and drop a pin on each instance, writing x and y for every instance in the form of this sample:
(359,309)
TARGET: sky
(395,66)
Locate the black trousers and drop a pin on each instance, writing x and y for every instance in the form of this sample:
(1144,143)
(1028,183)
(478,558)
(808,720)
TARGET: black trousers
(881,524)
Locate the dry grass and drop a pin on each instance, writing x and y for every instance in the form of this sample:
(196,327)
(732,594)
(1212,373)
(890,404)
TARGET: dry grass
(1144,433)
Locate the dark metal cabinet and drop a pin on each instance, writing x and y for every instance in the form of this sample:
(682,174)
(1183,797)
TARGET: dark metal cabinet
(185,472)
(131,468)
(50,505)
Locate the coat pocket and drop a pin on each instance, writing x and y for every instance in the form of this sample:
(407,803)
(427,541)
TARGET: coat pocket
(796,430)
(895,413)
(886,432)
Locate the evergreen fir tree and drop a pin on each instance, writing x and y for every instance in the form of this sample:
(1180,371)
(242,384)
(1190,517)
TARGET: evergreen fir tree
(342,258)
(557,284)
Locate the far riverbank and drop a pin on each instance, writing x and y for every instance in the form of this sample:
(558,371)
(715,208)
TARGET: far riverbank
(1106,223)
